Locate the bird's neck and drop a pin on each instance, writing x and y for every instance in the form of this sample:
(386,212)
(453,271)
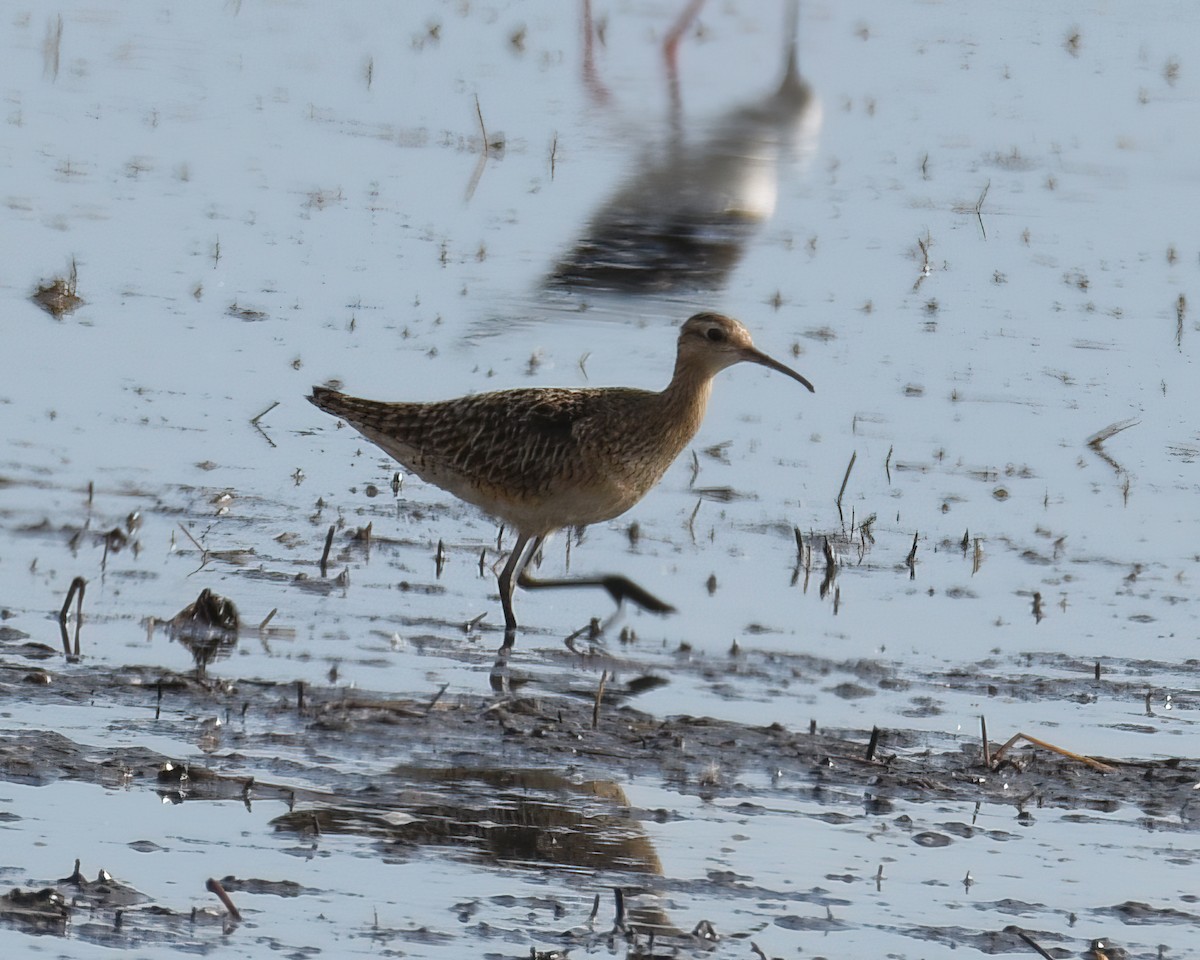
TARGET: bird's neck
(684,400)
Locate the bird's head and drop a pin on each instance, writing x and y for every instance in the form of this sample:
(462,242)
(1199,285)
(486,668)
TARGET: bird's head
(712,341)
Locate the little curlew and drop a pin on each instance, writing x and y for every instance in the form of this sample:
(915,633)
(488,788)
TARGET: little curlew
(544,458)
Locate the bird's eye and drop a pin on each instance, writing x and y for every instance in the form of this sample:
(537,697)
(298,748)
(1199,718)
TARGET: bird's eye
(715,335)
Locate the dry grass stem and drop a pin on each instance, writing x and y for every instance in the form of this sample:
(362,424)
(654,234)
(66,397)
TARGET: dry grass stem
(1078,757)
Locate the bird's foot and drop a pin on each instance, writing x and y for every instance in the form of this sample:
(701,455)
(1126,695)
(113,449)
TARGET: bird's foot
(622,588)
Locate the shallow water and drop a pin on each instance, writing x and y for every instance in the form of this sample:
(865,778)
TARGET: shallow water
(263,197)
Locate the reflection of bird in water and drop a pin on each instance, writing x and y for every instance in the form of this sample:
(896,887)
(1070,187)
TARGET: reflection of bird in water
(544,458)
(683,219)
(527,819)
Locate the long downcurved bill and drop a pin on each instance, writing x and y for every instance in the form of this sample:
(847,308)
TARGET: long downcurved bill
(757,356)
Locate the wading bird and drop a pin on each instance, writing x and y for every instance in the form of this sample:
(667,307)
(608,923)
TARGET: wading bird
(544,458)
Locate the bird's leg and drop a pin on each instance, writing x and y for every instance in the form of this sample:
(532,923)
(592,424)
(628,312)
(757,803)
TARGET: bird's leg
(508,579)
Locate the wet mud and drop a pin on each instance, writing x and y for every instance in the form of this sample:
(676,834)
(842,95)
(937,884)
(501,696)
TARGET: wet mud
(418,778)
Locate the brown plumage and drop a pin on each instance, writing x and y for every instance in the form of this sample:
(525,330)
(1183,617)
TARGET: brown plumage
(543,458)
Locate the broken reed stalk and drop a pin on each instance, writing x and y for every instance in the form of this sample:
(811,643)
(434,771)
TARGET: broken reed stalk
(1030,941)
(482,128)
(258,426)
(987,747)
(1062,752)
(436,697)
(599,698)
(874,743)
(268,618)
(196,543)
(979,207)
(74,592)
(1180,311)
(830,569)
(213,885)
(264,413)
(1096,441)
(325,552)
(483,156)
(845,480)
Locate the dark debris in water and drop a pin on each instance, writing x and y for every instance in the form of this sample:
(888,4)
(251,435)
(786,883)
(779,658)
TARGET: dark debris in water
(58,297)
(207,627)
(110,913)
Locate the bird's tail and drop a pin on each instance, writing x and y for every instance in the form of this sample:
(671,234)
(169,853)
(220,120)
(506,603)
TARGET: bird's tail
(329,400)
